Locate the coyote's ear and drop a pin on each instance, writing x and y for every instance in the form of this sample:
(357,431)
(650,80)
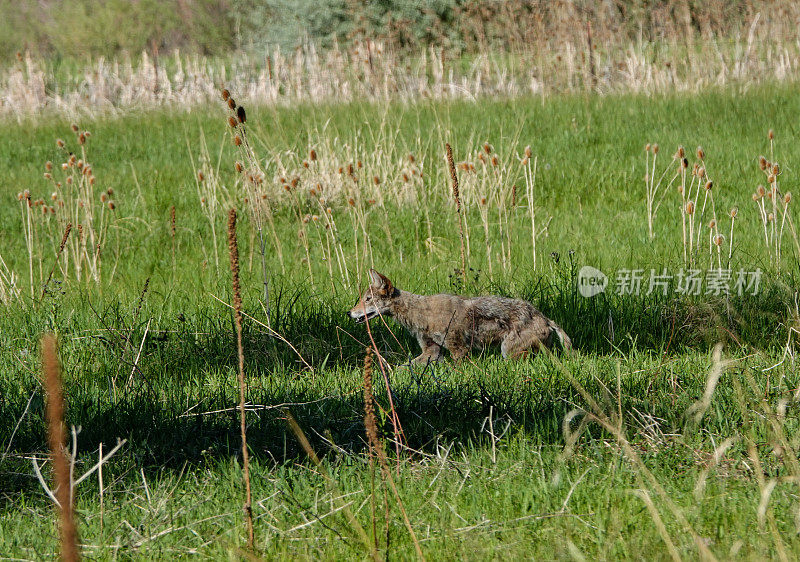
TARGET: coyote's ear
(380,282)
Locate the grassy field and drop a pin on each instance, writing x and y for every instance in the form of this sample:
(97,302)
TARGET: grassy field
(643,444)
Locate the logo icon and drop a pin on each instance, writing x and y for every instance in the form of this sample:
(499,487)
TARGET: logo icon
(591,281)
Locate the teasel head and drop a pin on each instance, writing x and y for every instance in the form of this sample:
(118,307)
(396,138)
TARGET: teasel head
(712,224)
(770,217)
(329,210)
(755,197)
(305,164)
(680,189)
(701,154)
(719,239)
(306,219)
(239,167)
(74,128)
(701,172)
(359,164)
(733,212)
(295,181)
(350,169)
(82,138)
(376,180)
(237,140)
(111,205)
(231,103)
(647,147)
(241,115)
(110,191)
(770,193)
(312,155)
(685,163)
(528,152)
(225,94)
(776,169)
(762,163)
(483,201)
(48,166)
(681,152)
(351,202)
(690,208)
(65,166)
(200,176)
(495,161)
(709,185)
(771,179)
(487,148)
(103,197)
(761,191)
(525,161)
(405,177)
(770,134)
(787,198)
(48,176)
(54,196)
(655,149)
(411,158)
(59,143)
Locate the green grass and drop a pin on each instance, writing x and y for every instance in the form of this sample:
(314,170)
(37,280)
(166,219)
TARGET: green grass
(174,489)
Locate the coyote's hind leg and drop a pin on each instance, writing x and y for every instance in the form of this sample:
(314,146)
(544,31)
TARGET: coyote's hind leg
(520,344)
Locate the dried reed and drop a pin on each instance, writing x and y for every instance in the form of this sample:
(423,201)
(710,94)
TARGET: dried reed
(233,250)
(457,198)
(56,438)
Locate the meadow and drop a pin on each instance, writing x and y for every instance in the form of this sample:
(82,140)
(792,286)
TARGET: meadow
(669,434)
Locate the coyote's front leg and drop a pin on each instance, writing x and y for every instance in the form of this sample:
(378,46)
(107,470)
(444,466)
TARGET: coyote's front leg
(431,352)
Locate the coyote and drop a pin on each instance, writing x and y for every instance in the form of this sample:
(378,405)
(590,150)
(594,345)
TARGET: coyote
(458,323)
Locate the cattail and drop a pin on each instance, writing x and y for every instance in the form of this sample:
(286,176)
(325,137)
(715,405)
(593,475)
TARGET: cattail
(762,163)
(241,114)
(690,208)
(770,134)
(57,440)
(709,185)
(225,94)
(701,154)
(231,103)
(231,121)
(655,149)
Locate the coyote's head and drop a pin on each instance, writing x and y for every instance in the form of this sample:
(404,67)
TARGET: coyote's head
(376,300)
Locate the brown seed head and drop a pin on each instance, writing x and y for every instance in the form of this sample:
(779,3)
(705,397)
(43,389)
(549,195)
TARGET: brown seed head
(74,128)
(231,103)
(761,191)
(690,208)
(48,165)
(487,148)
(59,143)
(770,217)
(733,212)
(787,198)
(237,140)
(241,115)
(762,163)
(709,185)
(701,154)
(528,152)
(655,149)
(647,147)
(312,155)
(111,205)
(685,163)
(681,152)
(225,94)
(239,167)
(770,134)
(495,161)
(376,180)
(232,121)
(200,176)
(82,138)
(776,169)
(719,239)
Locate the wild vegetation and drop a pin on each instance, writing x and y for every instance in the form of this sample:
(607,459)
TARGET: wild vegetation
(649,440)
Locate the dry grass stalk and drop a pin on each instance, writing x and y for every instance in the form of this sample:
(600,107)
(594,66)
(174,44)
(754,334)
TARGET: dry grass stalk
(64,239)
(233,249)
(57,440)
(309,450)
(456,196)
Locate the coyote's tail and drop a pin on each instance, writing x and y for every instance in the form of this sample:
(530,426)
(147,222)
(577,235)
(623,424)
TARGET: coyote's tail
(566,343)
